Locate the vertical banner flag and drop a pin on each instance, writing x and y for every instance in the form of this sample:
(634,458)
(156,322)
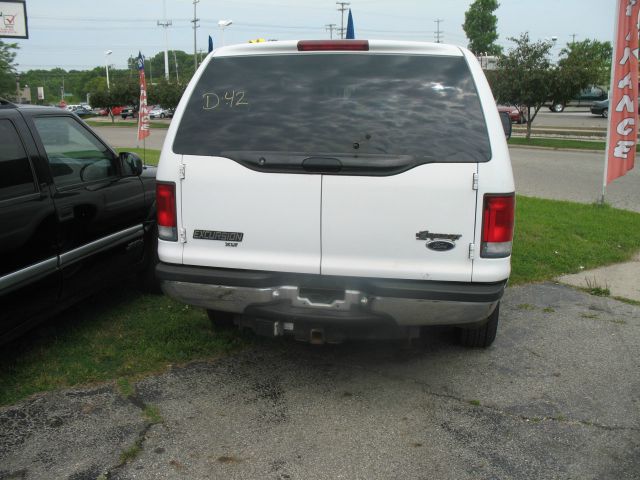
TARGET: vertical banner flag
(143,112)
(351,33)
(623,98)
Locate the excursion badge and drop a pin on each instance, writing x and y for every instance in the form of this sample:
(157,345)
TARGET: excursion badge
(231,239)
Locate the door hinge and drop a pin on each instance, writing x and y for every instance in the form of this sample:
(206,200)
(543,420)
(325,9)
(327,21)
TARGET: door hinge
(182,235)
(181,170)
(472,251)
(475,181)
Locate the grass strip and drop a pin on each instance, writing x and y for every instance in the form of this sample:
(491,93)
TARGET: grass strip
(122,335)
(150,156)
(94,123)
(553,238)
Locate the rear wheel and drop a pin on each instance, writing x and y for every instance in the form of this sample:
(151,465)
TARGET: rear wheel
(220,319)
(557,107)
(482,336)
(605,113)
(147,276)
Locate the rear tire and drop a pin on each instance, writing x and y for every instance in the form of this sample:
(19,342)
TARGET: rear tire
(557,107)
(147,276)
(482,336)
(605,113)
(221,320)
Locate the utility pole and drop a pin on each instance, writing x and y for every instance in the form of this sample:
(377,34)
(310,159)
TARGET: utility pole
(195,26)
(438,32)
(330,27)
(165,24)
(573,38)
(342,8)
(175,60)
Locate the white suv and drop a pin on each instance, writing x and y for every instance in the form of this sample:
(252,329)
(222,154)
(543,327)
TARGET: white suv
(338,189)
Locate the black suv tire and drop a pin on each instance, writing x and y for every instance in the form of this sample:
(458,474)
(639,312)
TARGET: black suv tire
(482,336)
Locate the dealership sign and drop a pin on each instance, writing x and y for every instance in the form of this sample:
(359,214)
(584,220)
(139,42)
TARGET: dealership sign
(13,19)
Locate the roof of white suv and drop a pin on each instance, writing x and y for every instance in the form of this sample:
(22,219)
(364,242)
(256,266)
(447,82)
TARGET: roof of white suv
(374,46)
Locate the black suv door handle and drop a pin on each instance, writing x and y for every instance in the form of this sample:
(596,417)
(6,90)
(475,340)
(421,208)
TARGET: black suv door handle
(322,165)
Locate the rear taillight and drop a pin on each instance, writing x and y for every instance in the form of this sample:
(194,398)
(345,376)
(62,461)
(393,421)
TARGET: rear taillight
(332,45)
(497,225)
(166,208)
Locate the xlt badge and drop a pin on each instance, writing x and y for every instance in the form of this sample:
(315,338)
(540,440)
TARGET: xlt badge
(216,235)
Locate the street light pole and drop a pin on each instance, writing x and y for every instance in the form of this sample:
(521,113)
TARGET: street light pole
(165,24)
(106,65)
(223,24)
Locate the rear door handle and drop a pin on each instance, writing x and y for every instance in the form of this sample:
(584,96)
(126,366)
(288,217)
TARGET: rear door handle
(322,165)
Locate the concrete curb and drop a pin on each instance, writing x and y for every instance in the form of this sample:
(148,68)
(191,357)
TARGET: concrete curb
(620,279)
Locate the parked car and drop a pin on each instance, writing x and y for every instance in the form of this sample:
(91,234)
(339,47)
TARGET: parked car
(515,114)
(83,112)
(160,112)
(584,99)
(371,197)
(75,215)
(600,108)
(115,111)
(129,112)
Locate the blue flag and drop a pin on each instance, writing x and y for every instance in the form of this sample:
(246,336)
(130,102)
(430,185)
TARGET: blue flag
(351,34)
(210,44)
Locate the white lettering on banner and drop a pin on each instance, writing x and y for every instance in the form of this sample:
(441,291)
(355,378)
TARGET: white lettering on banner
(625,82)
(625,102)
(623,127)
(622,148)
(625,56)
(630,7)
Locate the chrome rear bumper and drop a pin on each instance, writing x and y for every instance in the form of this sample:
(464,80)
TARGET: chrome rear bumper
(406,303)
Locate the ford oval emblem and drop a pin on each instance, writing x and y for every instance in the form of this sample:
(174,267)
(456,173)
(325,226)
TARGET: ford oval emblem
(440,245)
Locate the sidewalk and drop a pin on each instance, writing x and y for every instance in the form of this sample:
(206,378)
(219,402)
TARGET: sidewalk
(621,279)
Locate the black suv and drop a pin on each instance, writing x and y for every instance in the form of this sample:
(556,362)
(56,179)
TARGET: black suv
(74,214)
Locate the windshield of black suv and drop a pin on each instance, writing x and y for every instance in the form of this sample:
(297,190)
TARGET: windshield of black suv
(374,106)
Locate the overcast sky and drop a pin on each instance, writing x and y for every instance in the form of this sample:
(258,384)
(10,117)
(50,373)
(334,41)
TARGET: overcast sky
(74,34)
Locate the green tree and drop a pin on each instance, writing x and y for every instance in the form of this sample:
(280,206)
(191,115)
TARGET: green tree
(166,94)
(525,76)
(120,94)
(592,57)
(481,25)
(8,69)
(581,65)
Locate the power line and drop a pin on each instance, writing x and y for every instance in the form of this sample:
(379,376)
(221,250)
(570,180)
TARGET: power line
(195,26)
(342,8)
(438,32)
(330,27)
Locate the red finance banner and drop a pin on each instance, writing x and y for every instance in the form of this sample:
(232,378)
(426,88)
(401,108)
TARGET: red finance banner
(623,98)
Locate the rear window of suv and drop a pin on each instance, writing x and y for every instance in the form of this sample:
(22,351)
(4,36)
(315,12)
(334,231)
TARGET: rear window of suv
(421,107)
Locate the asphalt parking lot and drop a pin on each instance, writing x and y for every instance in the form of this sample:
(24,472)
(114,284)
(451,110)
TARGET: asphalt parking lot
(557,396)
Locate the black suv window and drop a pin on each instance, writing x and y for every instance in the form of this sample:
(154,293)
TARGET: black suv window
(75,156)
(369,106)
(16,176)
